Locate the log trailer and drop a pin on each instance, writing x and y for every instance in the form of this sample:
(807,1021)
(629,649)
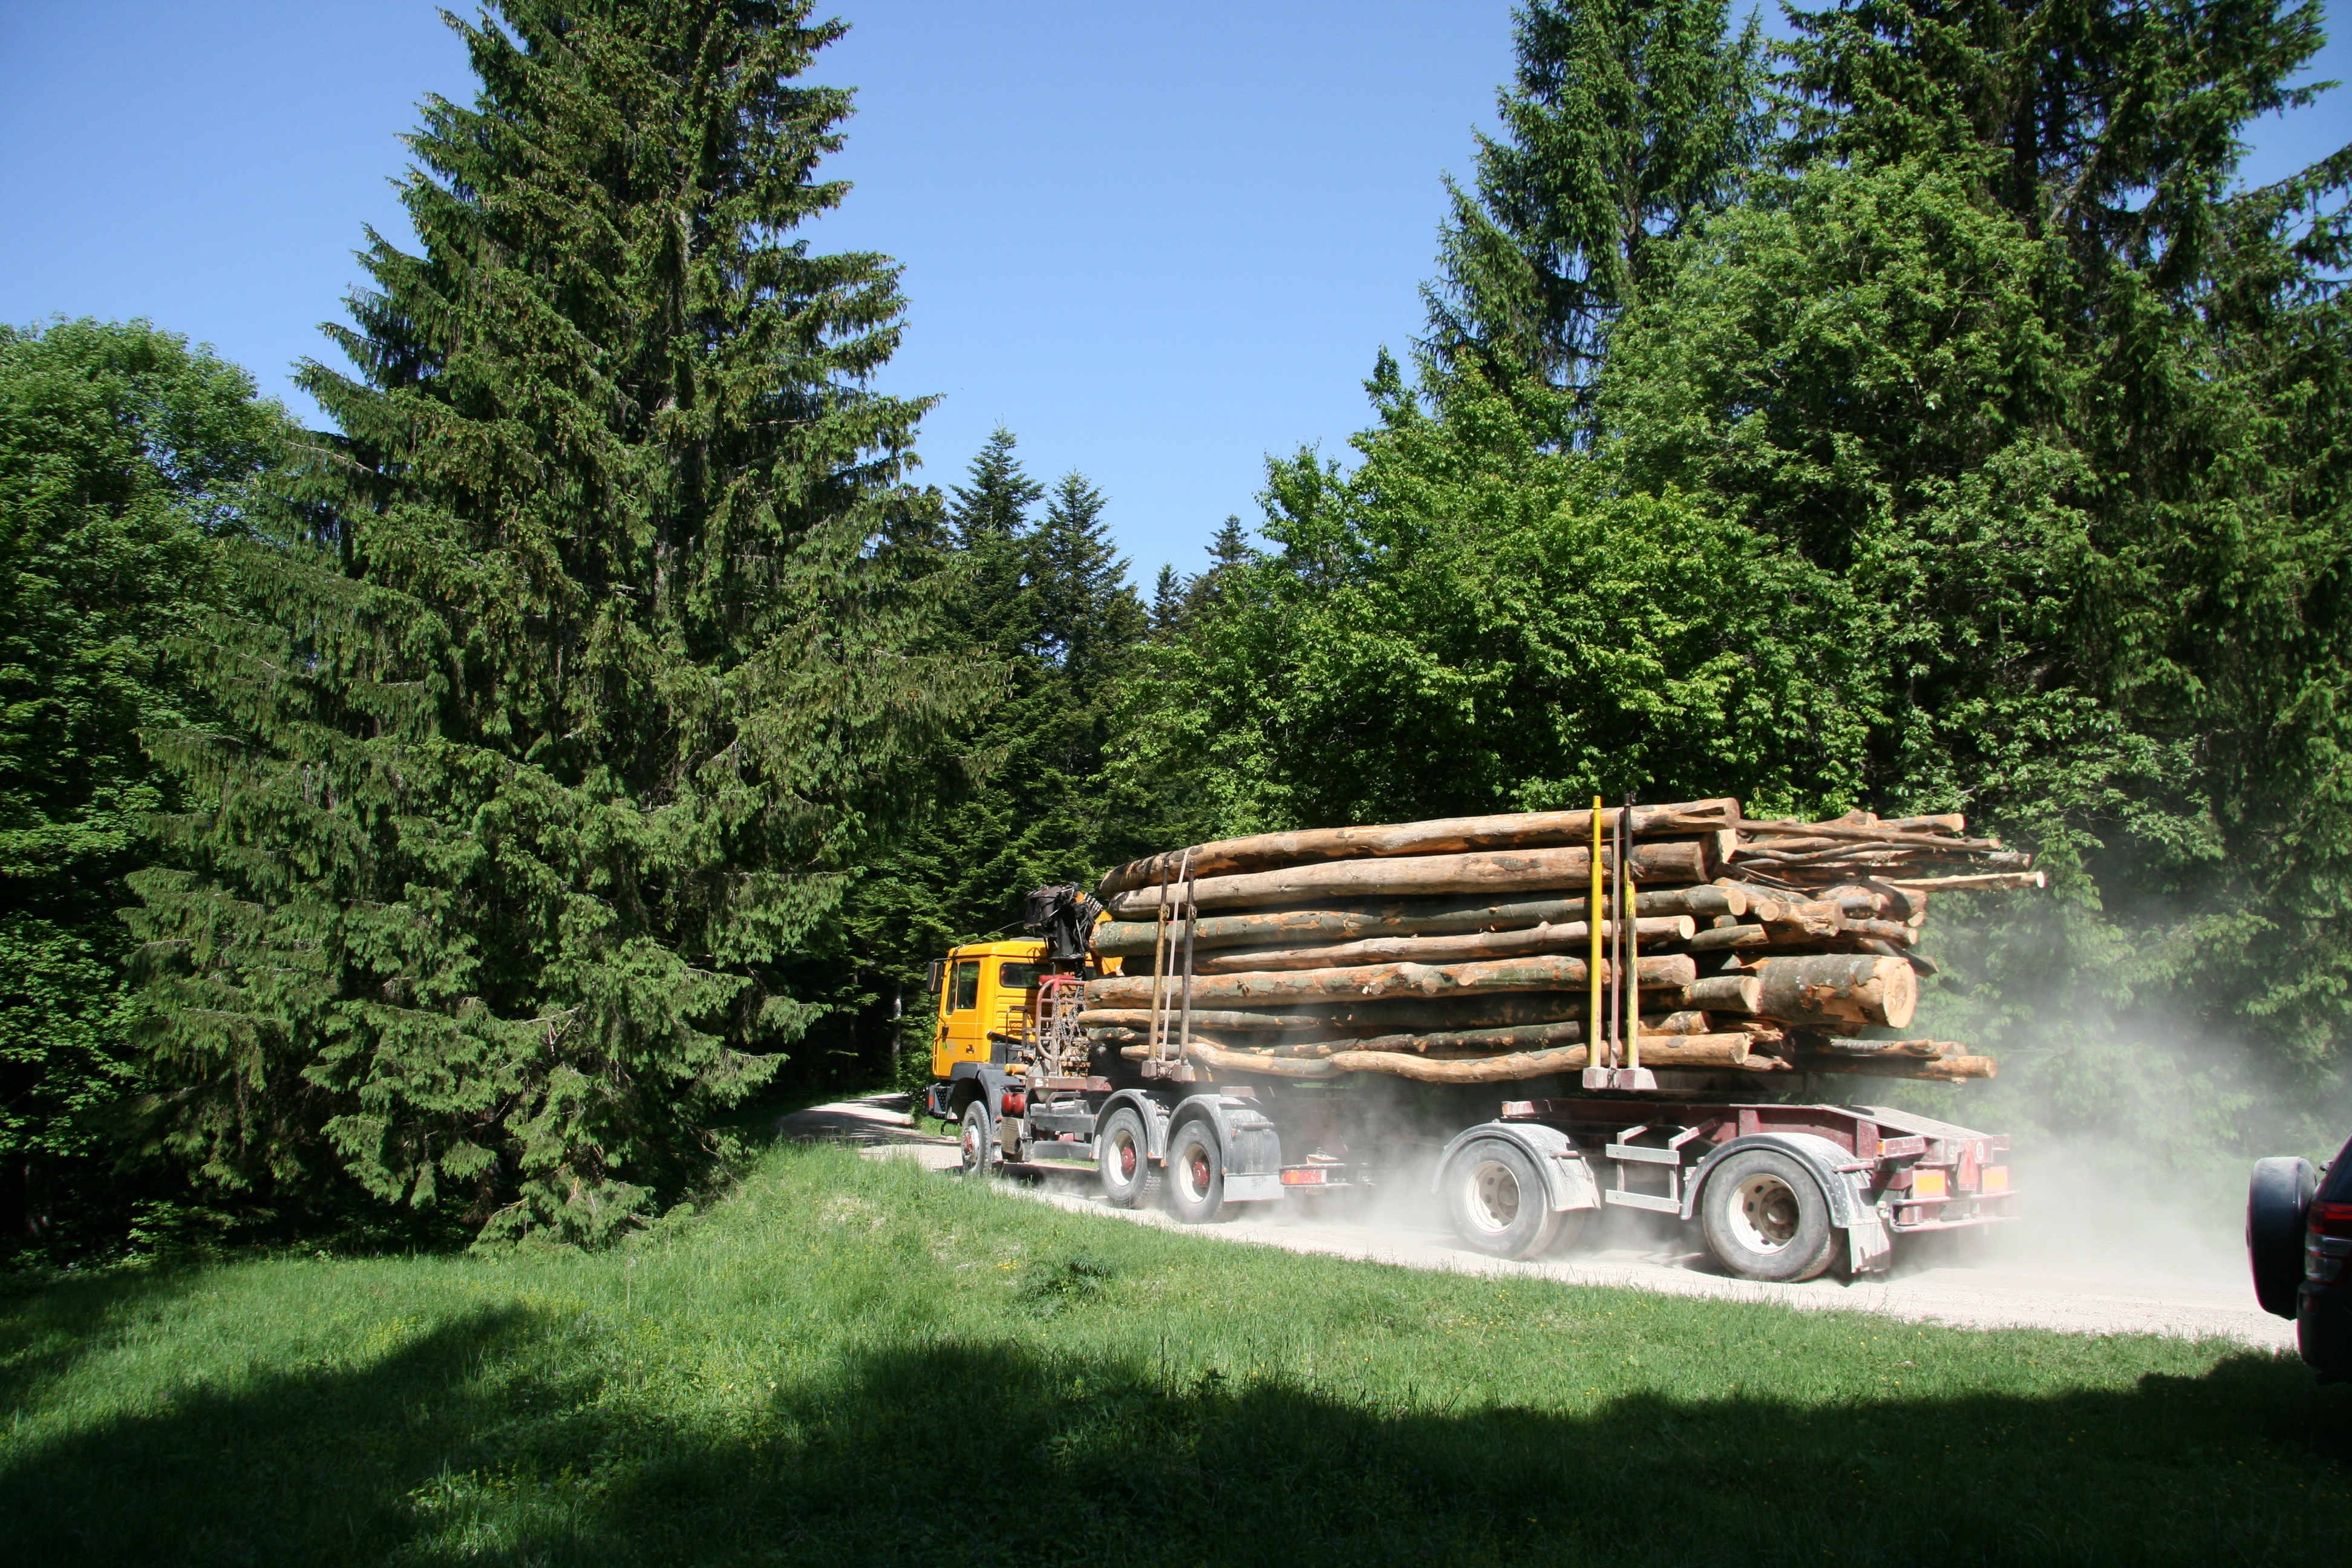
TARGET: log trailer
(1780,1190)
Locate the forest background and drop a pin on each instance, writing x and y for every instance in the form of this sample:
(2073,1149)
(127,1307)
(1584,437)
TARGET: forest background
(446,824)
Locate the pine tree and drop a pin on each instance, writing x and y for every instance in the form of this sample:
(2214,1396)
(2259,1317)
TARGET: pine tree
(1627,120)
(583,690)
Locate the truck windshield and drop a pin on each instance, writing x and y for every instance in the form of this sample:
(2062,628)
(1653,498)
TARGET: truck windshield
(965,986)
(1018,977)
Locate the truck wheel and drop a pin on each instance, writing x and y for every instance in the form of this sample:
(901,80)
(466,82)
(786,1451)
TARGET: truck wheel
(980,1155)
(1498,1200)
(1576,1229)
(2278,1207)
(1196,1176)
(1123,1158)
(1767,1218)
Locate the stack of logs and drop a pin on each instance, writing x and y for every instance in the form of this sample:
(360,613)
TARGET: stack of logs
(1457,951)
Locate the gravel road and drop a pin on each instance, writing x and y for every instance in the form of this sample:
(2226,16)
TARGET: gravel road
(2167,1283)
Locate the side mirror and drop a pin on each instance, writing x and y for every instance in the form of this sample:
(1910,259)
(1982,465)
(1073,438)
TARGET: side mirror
(931,976)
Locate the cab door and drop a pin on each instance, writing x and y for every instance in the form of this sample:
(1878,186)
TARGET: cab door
(962,1038)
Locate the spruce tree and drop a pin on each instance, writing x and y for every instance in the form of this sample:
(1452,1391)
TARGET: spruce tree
(1085,612)
(1627,120)
(1042,601)
(582,689)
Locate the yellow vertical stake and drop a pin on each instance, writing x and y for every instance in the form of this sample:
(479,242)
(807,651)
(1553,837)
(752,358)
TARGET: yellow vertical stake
(1596,909)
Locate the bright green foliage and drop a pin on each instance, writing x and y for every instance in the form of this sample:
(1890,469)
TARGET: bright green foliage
(1472,621)
(1978,445)
(584,687)
(124,457)
(1044,602)
(830,1366)
(1628,121)
(2013,359)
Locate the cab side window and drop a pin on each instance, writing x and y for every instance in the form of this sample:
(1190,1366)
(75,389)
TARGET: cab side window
(963,987)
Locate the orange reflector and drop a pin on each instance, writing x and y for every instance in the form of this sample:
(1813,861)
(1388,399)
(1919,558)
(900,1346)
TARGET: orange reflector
(1996,1178)
(1312,1176)
(1927,1184)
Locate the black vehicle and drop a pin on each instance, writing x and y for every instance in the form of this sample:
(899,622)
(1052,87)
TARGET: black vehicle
(2299,1240)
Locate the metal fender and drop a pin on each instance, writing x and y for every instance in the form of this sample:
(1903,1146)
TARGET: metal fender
(1251,1144)
(1566,1175)
(1155,1121)
(1842,1179)
(971,1081)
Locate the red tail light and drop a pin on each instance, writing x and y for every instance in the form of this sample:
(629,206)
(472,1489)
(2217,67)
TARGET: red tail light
(2329,1245)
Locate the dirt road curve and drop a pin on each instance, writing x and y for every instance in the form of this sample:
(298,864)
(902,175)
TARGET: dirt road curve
(1978,1281)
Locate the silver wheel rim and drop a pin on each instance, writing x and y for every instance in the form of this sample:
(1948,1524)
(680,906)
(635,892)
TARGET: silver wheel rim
(1764,1213)
(1122,1159)
(975,1142)
(1493,1197)
(1193,1170)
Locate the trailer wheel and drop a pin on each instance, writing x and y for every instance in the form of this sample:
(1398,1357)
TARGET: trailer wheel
(1196,1176)
(1767,1218)
(1123,1159)
(981,1155)
(1497,1201)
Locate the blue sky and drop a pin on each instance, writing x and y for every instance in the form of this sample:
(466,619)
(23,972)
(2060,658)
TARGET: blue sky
(1157,242)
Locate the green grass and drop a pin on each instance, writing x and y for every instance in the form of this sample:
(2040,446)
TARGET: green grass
(858,1363)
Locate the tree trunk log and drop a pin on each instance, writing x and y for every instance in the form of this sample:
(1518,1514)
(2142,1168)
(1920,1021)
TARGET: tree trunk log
(1688,1050)
(1382,980)
(1725,993)
(1456,835)
(1958,884)
(1924,1049)
(1519,1037)
(1946,1070)
(1141,1018)
(1838,989)
(1377,981)
(1428,917)
(1437,949)
(1688,861)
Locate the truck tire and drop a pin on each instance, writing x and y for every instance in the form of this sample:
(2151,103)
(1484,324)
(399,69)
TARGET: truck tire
(2278,1207)
(1123,1160)
(1196,1176)
(982,1156)
(1576,1229)
(1497,1201)
(1766,1217)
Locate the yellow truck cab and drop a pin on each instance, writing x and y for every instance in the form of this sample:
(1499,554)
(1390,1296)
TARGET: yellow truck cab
(984,987)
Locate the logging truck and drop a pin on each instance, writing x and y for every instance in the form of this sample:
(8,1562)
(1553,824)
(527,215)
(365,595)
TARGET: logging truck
(1781,1188)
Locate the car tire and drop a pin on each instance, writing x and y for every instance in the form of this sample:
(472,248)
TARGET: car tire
(2278,1206)
(1123,1160)
(1196,1176)
(982,1156)
(1496,1200)
(1766,1217)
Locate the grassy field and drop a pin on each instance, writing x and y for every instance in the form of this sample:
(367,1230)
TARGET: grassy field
(860,1362)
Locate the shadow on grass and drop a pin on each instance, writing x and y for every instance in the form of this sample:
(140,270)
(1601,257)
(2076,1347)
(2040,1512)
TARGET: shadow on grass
(47,1325)
(473,1444)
